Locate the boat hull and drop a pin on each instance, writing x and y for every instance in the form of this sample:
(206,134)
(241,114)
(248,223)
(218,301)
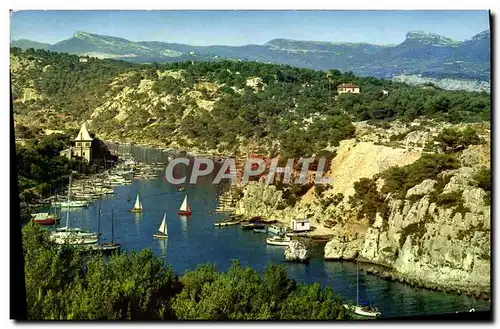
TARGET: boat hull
(160,236)
(106,247)
(184,213)
(75,240)
(358,310)
(253,226)
(226,223)
(277,242)
(135,210)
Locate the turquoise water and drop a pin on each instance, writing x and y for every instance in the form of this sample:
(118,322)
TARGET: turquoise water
(195,240)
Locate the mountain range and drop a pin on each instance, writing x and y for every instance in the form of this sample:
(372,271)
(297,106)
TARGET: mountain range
(426,54)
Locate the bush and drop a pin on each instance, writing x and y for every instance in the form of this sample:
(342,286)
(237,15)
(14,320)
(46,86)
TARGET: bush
(452,140)
(398,180)
(417,230)
(448,200)
(483,179)
(371,201)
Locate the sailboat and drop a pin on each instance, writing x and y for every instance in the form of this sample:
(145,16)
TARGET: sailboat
(137,205)
(162,231)
(185,210)
(366,311)
(72,236)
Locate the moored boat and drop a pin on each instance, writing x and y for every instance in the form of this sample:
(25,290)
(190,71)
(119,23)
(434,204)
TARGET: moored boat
(365,311)
(226,223)
(71,204)
(74,237)
(44,218)
(278,241)
(107,247)
(252,226)
(260,230)
(276,229)
(184,210)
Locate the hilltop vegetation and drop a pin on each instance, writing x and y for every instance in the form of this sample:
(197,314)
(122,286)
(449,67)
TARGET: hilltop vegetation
(223,105)
(63,284)
(420,53)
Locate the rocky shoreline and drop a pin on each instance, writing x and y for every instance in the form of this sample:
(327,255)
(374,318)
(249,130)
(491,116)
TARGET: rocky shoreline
(475,292)
(381,247)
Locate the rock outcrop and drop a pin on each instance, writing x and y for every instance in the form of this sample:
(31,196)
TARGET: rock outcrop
(430,246)
(296,251)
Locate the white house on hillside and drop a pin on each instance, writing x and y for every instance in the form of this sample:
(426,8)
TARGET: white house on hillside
(300,225)
(347,88)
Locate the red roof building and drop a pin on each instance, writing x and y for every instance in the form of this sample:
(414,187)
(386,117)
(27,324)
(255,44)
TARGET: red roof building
(347,88)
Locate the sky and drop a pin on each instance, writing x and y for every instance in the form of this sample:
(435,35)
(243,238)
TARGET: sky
(236,28)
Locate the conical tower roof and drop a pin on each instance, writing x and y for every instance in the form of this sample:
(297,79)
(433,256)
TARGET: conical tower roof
(83,135)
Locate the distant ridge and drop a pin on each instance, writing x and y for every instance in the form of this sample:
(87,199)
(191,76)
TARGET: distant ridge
(424,53)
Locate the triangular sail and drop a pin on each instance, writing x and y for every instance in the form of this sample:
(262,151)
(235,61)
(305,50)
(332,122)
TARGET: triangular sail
(138,204)
(185,206)
(163,226)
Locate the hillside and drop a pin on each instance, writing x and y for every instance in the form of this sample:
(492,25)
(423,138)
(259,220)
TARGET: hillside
(423,53)
(27,44)
(219,106)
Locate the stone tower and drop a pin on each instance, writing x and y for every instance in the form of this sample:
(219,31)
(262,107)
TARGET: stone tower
(83,144)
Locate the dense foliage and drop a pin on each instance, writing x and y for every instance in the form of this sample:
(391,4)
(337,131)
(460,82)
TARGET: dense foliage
(451,140)
(398,180)
(295,110)
(62,283)
(483,180)
(369,199)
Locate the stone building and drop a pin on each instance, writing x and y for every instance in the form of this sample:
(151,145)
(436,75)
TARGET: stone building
(82,146)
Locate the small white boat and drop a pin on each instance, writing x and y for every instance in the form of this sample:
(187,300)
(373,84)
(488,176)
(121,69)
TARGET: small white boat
(71,204)
(162,230)
(276,229)
(226,223)
(72,238)
(278,241)
(107,246)
(365,311)
(137,205)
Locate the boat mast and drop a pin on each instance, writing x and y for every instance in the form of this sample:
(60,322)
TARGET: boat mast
(99,224)
(357,283)
(69,200)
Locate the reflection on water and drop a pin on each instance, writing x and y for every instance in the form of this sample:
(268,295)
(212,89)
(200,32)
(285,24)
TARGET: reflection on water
(162,245)
(184,221)
(137,217)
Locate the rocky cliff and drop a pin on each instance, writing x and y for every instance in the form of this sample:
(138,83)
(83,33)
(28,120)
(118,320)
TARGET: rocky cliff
(437,235)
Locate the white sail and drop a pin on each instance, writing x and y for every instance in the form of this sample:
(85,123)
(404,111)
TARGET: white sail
(138,204)
(163,226)
(184,206)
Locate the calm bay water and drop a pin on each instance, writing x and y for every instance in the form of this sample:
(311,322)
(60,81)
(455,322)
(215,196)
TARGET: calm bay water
(195,240)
